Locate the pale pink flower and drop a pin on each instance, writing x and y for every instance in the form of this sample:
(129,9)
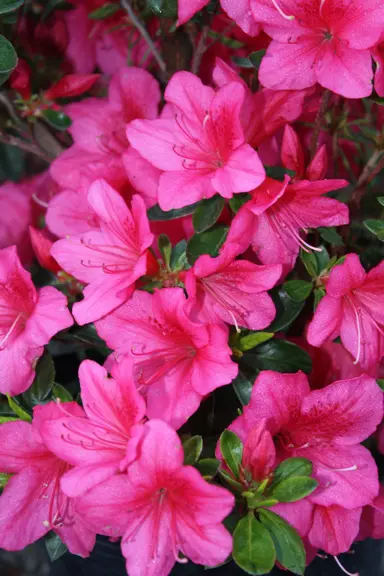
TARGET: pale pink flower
(177,362)
(324,41)
(239,11)
(32,503)
(109,259)
(100,444)
(353,310)
(201,148)
(161,508)
(29,318)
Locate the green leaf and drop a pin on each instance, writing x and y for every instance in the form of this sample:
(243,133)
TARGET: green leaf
(238,201)
(208,242)
(12,162)
(231,449)
(243,388)
(18,410)
(278,172)
(43,382)
(380,199)
(61,393)
(242,62)
(319,294)
(256,58)
(158,215)
(380,382)
(331,236)
(108,9)
(4,480)
(253,547)
(315,262)
(228,478)
(164,8)
(298,290)
(192,450)
(252,340)
(293,489)
(280,356)
(8,56)
(179,256)
(57,119)
(290,551)
(9,5)
(50,6)
(376,227)
(292,467)
(165,248)
(286,310)
(5,419)
(4,77)
(208,467)
(207,213)
(55,546)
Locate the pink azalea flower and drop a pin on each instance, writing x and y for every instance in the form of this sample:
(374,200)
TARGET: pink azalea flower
(234,291)
(352,308)
(15,217)
(293,157)
(326,426)
(201,148)
(239,11)
(177,362)
(334,528)
(101,444)
(280,211)
(29,318)
(32,503)
(372,519)
(109,259)
(161,508)
(378,56)
(324,41)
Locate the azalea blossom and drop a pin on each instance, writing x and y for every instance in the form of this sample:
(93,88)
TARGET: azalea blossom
(239,11)
(161,508)
(233,291)
(29,318)
(378,56)
(372,519)
(32,503)
(324,41)
(109,259)
(201,148)
(176,362)
(279,212)
(101,444)
(15,217)
(352,309)
(293,157)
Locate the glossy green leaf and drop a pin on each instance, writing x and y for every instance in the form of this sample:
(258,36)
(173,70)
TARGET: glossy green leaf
(252,340)
(165,248)
(57,119)
(228,479)
(280,356)
(158,215)
(319,294)
(315,262)
(292,467)
(380,199)
(10,5)
(208,467)
(55,546)
(286,310)
(380,382)
(238,201)
(108,9)
(331,236)
(256,58)
(207,213)
(4,480)
(290,551)
(376,227)
(278,172)
(18,410)
(253,547)
(192,450)
(43,382)
(243,388)
(242,61)
(5,419)
(298,290)
(208,242)
(61,393)
(8,56)
(231,449)
(293,489)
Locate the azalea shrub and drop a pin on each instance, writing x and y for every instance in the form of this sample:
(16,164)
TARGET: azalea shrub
(192,279)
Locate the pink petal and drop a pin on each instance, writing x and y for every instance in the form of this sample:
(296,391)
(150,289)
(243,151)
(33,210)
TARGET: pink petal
(298,514)
(17,365)
(209,545)
(78,537)
(83,477)
(19,447)
(259,452)
(187,92)
(188,8)
(143,176)
(362,24)
(69,213)
(378,56)
(292,154)
(267,194)
(326,322)
(346,277)
(135,93)
(50,316)
(179,189)
(240,12)
(334,529)
(242,172)
(155,141)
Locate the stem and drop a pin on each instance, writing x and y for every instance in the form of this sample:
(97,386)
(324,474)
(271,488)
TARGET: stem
(126,4)
(200,49)
(23,145)
(318,122)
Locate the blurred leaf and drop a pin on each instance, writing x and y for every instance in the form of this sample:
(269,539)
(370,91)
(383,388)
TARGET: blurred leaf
(108,9)
(242,62)
(8,56)
(238,201)
(43,382)
(208,467)
(280,356)
(165,248)
(290,551)
(57,119)
(319,294)
(298,290)
(18,410)
(380,199)
(5,419)
(252,340)
(61,393)
(231,449)
(380,382)
(376,227)
(158,215)
(207,212)
(179,256)
(50,6)
(55,546)
(293,489)
(253,547)
(243,388)
(4,480)
(278,172)
(208,242)
(164,8)
(12,162)
(286,310)
(4,77)
(9,5)
(256,58)
(192,450)
(331,236)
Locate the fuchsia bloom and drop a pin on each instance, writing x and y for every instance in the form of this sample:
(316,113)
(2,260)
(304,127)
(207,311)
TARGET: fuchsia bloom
(109,259)
(234,291)
(239,11)
(378,55)
(293,158)
(28,320)
(201,148)
(280,211)
(32,503)
(176,362)
(15,217)
(161,508)
(326,426)
(352,308)
(372,520)
(324,41)
(101,444)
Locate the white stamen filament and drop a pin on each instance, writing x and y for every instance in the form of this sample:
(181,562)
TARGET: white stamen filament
(358,327)
(38,201)
(281,11)
(321,7)
(343,569)
(350,469)
(12,328)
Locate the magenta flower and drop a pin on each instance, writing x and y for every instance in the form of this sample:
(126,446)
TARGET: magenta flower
(109,259)
(378,56)
(352,308)
(280,211)
(239,11)
(326,426)
(32,503)
(324,41)
(161,508)
(28,320)
(201,148)
(176,362)
(234,291)
(101,444)
(372,519)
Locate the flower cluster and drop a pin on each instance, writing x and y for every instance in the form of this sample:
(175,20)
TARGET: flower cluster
(195,248)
